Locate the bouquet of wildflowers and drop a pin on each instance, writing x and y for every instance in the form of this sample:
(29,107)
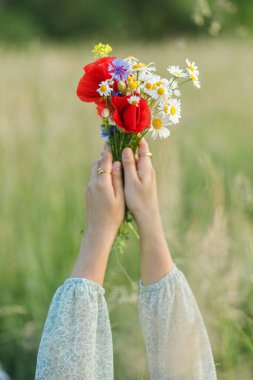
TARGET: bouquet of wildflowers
(133,100)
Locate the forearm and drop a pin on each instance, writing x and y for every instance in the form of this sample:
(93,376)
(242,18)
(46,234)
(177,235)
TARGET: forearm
(176,339)
(93,255)
(76,342)
(156,261)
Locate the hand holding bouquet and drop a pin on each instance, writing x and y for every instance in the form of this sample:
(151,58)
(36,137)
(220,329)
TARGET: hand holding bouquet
(133,100)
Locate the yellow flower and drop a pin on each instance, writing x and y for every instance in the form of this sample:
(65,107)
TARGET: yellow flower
(101,50)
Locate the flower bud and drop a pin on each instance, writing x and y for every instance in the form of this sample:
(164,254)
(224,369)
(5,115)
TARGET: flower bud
(105,113)
(122,86)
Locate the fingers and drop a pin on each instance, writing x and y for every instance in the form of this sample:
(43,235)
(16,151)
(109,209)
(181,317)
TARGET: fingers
(144,163)
(104,162)
(117,179)
(129,164)
(94,169)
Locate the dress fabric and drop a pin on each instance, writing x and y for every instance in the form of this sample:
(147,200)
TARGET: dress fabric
(77,341)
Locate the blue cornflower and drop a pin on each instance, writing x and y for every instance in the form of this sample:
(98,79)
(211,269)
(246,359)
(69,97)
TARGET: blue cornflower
(105,132)
(119,69)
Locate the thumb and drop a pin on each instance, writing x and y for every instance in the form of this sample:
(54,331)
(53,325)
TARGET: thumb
(129,164)
(117,179)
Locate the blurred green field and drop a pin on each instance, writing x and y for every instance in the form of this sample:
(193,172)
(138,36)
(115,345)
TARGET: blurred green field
(48,140)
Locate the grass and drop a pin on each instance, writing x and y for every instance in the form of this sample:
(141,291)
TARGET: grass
(48,140)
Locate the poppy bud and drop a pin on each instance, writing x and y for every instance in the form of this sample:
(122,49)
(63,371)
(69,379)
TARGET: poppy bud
(105,113)
(122,86)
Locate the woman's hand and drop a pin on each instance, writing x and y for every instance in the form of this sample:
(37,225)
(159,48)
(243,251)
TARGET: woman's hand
(105,196)
(141,198)
(105,213)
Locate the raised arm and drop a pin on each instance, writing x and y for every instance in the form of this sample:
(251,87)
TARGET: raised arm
(176,340)
(76,342)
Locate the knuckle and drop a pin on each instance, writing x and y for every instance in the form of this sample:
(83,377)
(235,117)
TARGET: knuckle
(117,176)
(129,162)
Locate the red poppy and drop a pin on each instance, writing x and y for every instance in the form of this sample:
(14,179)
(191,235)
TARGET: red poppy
(95,73)
(129,117)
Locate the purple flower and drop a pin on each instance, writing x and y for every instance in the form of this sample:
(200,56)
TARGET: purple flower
(105,132)
(119,69)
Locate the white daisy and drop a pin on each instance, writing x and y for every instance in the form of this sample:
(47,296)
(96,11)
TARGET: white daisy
(160,90)
(104,88)
(195,80)
(143,68)
(148,85)
(174,110)
(134,100)
(164,108)
(158,128)
(192,68)
(173,86)
(131,60)
(177,72)
(111,122)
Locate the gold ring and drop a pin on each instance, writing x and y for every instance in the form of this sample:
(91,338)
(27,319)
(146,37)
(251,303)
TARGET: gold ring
(100,171)
(145,154)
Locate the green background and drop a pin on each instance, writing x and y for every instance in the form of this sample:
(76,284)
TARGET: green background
(48,140)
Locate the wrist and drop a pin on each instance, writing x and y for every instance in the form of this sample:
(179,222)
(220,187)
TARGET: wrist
(149,223)
(99,239)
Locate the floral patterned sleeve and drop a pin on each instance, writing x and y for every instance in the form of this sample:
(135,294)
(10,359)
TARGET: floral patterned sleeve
(76,342)
(176,340)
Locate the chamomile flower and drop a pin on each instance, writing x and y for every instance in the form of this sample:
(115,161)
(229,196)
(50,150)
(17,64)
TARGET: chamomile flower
(134,100)
(174,110)
(149,84)
(158,128)
(195,80)
(192,68)
(173,86)
(131,60)
(177,72)
(160,90)
(104,88)
(142,69)
(164,108)
(111,122)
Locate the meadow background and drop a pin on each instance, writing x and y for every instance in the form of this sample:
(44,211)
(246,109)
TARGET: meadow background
(48,140)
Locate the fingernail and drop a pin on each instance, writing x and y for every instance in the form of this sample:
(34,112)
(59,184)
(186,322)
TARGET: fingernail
(116,165)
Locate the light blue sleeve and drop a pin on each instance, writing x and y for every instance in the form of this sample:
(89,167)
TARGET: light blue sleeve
(76,342)
(176,339)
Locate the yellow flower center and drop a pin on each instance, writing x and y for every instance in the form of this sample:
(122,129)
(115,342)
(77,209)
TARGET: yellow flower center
(193,77)
(148,86)
(157,123)
(134,102)
(161,91)
(103,88)
(165,109)
(133,85)
(173,110)
(139,65)
(130,78)
(191,67)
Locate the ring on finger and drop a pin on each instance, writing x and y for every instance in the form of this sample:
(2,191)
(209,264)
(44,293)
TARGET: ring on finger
(149,154)
(100,171)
